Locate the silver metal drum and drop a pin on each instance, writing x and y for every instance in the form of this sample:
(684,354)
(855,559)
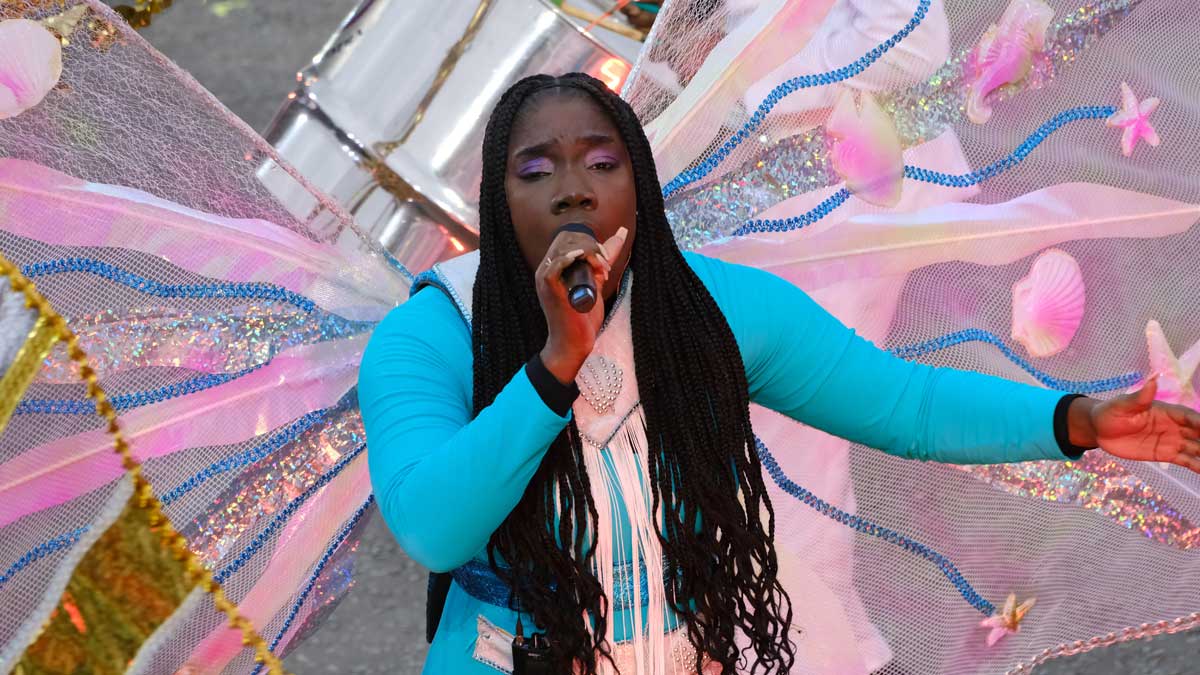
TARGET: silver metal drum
(389,118)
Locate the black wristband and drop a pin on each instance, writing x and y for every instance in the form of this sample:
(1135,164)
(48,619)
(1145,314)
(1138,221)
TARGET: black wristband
(575,227)
(1062,429)
(557,396)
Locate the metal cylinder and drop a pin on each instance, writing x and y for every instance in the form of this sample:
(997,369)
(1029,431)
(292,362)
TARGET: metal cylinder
(389,117)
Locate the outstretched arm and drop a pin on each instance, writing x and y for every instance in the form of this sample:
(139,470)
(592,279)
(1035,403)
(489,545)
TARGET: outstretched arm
(804,363)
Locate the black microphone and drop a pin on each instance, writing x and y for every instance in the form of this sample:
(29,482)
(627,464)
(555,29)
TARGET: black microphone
(578,277)
(581,285)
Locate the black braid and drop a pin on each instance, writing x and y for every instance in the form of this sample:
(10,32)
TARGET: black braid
(682,345)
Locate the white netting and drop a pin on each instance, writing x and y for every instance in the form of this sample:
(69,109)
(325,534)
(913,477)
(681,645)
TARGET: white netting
(225,325)
(928,265)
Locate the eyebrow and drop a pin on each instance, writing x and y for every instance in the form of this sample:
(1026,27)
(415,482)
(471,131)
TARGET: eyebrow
(542,149)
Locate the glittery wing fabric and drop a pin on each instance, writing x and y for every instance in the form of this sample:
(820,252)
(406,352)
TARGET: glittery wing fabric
(224,306)
(1001,188)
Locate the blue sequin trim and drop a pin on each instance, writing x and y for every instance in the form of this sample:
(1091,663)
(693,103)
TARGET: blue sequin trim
(272,444)
(869,528)
(1087,112)
(795,222)
(980,335)
(122,402)
(397,265)
(689,176)
(281,517)
(113,273)
(62,541)
(433,277)
(479,581)
(332,327)
(316,574)
(928,176)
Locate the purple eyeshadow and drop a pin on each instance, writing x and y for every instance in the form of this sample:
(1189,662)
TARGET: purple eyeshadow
(534,166)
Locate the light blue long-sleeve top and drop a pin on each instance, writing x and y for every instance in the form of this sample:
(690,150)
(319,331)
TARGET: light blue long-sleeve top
(444,481)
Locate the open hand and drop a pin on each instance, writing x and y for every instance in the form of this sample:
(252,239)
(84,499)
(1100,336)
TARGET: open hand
(1137,427)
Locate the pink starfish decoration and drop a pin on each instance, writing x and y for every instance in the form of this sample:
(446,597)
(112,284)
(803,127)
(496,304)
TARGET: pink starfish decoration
(1133,117)
(1006,620)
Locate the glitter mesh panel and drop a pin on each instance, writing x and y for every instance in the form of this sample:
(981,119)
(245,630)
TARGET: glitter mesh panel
(913,164)
(225,325)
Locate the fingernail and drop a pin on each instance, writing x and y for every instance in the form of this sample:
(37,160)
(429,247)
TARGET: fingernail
(576,253)
(622,232)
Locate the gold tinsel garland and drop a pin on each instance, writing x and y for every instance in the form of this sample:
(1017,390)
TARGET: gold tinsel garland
(143,510)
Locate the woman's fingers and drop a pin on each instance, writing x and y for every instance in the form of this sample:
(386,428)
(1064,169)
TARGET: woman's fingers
(601,267)
(1186,417)
(599,255)
(554,266)
(1188,461)
(614,244)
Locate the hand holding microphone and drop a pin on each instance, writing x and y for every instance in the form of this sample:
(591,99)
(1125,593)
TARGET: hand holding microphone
(570,283)
(581,285)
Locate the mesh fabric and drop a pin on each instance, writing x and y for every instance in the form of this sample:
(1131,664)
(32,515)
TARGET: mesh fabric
(225,325)
(913,554)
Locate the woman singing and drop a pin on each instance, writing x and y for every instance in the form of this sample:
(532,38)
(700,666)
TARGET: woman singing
(596,473)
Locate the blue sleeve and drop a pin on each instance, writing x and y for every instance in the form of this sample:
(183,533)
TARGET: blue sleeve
(444,481)
(802,362)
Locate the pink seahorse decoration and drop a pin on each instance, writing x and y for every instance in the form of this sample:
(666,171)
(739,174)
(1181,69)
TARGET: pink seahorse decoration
(1005,53)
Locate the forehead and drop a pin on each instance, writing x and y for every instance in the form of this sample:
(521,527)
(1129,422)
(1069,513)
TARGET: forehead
(559,116)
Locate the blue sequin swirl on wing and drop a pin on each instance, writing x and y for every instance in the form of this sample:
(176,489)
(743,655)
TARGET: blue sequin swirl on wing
(1089,112)
(282,517)
(980,335)
(254,290)
(316,574)
(869,528)
(61,542)
(796,222)
(264,449)
(330,326)
(123,402)
(790,166)
(689,176)
(397,265)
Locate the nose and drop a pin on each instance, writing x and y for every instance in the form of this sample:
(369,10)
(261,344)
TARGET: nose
(575,195)
(574,200)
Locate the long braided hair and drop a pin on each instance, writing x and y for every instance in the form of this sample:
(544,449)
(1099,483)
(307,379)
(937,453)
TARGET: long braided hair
(682,345)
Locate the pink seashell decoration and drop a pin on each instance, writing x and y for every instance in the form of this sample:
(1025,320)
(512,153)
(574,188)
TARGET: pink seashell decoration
(866,150)
(1047,305)
(1005,53)
(30,65)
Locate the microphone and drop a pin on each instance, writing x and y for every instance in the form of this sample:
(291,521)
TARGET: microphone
(578,277)
(581,286)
